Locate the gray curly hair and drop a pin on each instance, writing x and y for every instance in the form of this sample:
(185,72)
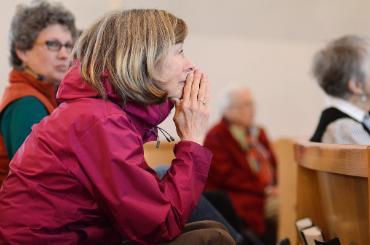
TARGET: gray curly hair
(30,20)
(343,59)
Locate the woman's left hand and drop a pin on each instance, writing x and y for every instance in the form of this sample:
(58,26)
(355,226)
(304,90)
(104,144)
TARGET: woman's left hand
(192,113)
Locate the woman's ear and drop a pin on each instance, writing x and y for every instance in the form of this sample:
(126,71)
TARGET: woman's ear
(355,87)
(22,55)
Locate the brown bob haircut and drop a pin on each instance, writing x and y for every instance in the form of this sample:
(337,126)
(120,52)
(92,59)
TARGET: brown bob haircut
(131,46)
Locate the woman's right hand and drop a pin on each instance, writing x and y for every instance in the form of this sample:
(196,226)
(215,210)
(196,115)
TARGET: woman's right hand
(191,115)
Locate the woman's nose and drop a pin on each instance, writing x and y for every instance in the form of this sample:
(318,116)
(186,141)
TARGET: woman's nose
(63,53)
(189,67)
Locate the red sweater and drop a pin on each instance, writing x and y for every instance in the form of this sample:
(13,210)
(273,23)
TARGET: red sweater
(231,172)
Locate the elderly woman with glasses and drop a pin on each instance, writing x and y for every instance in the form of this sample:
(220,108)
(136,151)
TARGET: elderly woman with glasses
(41,40)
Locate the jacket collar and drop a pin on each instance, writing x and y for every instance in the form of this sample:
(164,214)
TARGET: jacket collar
(47,89)
(146,118)
(350,109)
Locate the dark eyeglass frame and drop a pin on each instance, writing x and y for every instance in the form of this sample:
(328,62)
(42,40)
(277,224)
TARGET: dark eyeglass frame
(56,46)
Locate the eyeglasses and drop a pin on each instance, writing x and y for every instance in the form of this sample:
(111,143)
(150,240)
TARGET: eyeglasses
(55,45)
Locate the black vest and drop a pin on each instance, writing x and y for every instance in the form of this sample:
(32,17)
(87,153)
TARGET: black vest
(328,116)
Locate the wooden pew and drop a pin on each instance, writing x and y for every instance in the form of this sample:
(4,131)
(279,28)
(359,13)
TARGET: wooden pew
(287,181)
(287,174)
(159,156)
(332,189)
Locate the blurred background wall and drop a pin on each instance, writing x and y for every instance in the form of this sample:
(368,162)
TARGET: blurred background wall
(266,45)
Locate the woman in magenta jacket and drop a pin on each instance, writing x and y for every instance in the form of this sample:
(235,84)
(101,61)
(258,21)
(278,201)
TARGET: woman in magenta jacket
(81,177)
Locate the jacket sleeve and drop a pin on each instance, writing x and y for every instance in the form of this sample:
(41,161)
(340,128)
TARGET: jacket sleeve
(144,208)
(346,131)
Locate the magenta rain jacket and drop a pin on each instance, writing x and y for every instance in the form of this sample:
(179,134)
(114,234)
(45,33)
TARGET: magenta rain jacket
(81,178)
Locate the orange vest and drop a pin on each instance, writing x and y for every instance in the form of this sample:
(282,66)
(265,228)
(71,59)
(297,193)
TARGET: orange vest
(22,84)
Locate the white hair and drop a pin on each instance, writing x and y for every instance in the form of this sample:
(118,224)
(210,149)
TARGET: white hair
(228,96)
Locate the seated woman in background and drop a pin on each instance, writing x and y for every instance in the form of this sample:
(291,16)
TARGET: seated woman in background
(81,178)
(244,165)
(41,40)
(342,70)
